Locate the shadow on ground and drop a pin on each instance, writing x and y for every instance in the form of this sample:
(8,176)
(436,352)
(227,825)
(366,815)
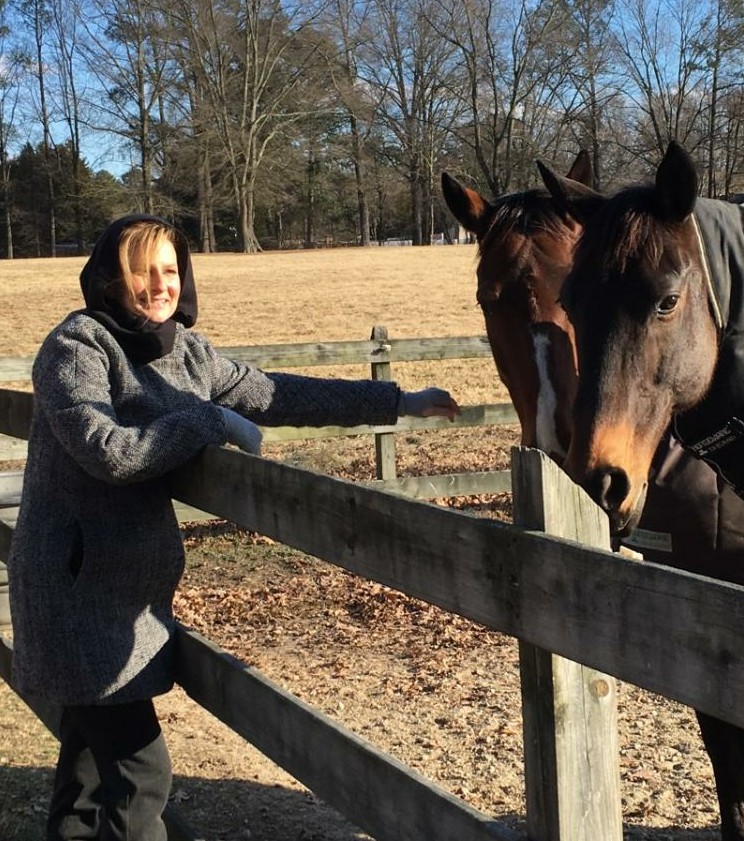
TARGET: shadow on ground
(238,810)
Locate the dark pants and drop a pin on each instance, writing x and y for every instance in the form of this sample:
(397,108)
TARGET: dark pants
(113,775)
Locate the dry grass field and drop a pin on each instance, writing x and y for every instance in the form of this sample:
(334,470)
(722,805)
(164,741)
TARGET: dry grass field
(436,692)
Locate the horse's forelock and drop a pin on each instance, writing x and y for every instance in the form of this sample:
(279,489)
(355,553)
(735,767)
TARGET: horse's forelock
(626,230)
(524,212)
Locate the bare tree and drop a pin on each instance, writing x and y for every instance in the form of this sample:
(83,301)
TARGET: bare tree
(196,138)
(64,19)
(408,64)
(125,53)
(722,30)
(589,92)
(12,68)
(347,23)
(510,75)
(36,15)
(253,59)
(661,51)
(729,154)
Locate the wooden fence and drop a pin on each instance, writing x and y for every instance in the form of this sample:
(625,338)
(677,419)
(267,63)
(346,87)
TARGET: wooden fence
(676,634)
(379,353)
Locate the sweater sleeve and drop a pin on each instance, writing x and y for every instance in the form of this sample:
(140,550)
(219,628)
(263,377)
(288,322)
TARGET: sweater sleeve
(73,389)
(277,399)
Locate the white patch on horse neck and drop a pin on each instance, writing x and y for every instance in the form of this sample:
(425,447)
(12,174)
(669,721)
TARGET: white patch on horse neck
(545,428)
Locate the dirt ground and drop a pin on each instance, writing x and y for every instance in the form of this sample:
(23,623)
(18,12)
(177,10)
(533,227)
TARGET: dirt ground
(435,691)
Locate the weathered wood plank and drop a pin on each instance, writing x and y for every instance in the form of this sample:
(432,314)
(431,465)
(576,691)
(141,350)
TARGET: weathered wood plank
(16,368)
(593,607)
(188,514)
(11,484)
(16,408)
(446,484)
(311,354)
(374,791)
(416,487)
(487,414)
(12,449)
(277,357)
(569,711)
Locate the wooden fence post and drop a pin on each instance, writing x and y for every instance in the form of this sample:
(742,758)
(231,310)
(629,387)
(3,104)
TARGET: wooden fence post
(385,441)
(572,773)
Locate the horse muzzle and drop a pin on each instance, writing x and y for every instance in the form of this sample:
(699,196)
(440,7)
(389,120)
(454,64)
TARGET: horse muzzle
(612,465)
(613,491)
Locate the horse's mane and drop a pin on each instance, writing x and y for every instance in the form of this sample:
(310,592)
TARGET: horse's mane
(625,229)
(526,212)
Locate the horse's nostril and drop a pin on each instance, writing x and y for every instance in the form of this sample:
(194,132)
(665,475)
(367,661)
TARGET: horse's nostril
(609,487)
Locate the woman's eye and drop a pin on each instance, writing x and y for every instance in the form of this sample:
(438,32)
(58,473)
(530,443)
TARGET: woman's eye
(667,304)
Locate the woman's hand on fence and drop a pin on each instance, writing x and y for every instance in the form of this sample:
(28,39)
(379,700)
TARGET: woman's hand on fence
(241,432)
(428,403)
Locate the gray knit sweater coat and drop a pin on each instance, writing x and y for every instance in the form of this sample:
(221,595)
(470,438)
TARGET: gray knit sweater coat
(97,552)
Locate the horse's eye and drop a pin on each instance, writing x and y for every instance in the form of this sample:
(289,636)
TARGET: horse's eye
(667,305)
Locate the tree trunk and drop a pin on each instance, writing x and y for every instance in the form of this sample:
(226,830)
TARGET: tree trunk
(205,200)
(416,207)
(359,175)
(312,168)
(44,113)
(8,229)
(248,241)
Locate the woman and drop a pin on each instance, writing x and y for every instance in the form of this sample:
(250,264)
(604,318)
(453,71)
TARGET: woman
(123,394)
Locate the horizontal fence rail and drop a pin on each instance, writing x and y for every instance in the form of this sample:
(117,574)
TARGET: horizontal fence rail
(311,354)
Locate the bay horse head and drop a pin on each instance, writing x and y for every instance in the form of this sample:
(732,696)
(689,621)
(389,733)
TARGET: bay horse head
(638,296)
(525,247)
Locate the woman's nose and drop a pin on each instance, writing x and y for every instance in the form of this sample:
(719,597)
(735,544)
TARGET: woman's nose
(157,280)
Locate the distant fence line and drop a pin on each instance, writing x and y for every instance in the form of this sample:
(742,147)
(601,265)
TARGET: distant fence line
(379,353)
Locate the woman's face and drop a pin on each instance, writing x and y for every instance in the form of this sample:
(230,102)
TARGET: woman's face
(164,285)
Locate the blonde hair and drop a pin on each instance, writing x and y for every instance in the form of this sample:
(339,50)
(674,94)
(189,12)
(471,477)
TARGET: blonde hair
(137,245)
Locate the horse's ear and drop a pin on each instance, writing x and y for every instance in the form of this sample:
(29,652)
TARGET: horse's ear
(572,197)
(470,209)
(582,169)
(676,184)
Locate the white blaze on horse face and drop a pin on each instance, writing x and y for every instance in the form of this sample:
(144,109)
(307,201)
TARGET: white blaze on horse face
(547,402)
